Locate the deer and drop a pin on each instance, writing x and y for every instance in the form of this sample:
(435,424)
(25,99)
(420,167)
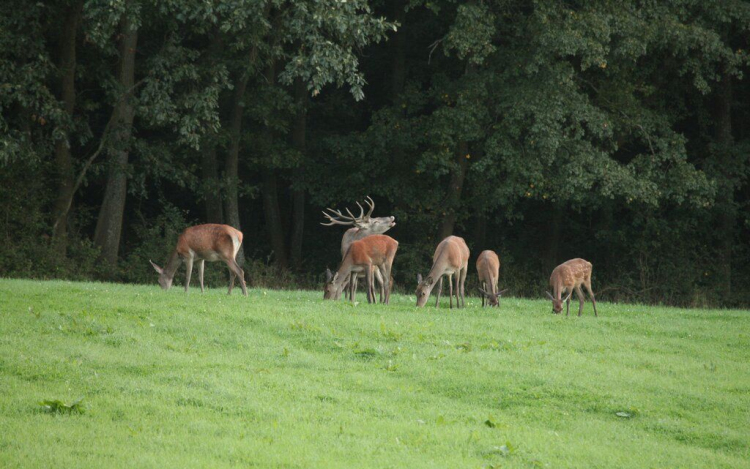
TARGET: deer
(362,255)
(567,277)
(451,258)
(488,269)
(362,226)
(203,243)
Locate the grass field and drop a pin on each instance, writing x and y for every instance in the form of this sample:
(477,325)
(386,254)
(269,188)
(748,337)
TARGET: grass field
(284,379)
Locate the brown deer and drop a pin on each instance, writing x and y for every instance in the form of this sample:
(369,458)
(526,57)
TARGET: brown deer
(488,268)
(363,225)
(363,254)
(451,258)
(567,277)
(204,243)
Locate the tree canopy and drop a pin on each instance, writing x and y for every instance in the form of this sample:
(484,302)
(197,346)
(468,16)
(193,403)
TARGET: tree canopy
(610,130)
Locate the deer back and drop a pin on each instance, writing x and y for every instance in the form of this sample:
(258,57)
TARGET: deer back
(210,240)
(448,254)
(374,249)
(571,274)
(488,266)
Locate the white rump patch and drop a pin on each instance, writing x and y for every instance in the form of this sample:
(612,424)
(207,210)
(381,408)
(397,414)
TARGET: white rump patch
(236,246)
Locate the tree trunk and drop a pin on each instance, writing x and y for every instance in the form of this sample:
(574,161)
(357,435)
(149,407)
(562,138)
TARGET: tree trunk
(271,207)
(725,203)
(231,167)
(298,194)
(210,168)
(63,159)
(453,201)
(109,224)
(212,192)
(272,212)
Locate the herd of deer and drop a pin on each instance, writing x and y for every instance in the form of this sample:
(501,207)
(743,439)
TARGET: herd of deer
(367,253)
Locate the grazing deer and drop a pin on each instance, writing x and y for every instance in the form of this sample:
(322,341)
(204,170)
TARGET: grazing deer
(569,276)
(363,225)
(363,254)
(451,257)
(204,243)
(488,268)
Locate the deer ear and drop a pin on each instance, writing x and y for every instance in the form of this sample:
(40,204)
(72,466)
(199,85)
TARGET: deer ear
(429,281)
(550,296)
(419,278)
(329,275)
(156,268)
(335,276)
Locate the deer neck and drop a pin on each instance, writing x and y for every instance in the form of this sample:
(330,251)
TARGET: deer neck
(351,235)
(557,289)
(173,263)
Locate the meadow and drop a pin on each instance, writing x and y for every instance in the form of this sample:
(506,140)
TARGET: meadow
(284,379)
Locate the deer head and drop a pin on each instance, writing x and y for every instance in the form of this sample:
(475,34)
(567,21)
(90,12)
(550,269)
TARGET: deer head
(364,222)
(424,287)
(331,291)
(165,281)
(557,304)
(493,298)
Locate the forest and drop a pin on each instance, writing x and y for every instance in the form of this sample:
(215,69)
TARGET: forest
(613,130)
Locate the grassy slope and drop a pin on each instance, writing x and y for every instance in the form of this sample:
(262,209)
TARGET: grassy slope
(283,379)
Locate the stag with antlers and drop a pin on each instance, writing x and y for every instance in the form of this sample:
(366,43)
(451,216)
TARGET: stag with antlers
(363,226)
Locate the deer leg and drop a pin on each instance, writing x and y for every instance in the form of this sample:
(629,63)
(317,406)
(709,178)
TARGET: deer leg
(591,294)
(440,290)
(189,272)
(567,304)
(370,280)
(450,291)
(236,270)
(201,265)
(379,282)
(463,286)
(231,280)
(380,275)
(458,289)
(484,287)
(579,294)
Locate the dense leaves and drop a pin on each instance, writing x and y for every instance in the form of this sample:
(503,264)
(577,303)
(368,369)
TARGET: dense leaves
(610,130)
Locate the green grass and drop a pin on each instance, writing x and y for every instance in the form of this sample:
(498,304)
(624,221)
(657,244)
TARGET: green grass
(284,379)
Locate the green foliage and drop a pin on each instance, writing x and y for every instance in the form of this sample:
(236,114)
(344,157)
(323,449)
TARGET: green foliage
(59,407)
(608,112)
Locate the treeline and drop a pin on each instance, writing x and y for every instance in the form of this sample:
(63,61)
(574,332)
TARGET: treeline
(545,130)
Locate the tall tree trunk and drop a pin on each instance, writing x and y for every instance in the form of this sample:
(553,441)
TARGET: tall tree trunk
(725,202)
(63,159)
(210,167)
(298,194)
(231,166)
(453,202)
(271,207)
(458,174)
(212,193)
(109,224)
(272,212)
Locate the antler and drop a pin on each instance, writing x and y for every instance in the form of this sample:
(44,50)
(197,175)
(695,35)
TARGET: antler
(341,219)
